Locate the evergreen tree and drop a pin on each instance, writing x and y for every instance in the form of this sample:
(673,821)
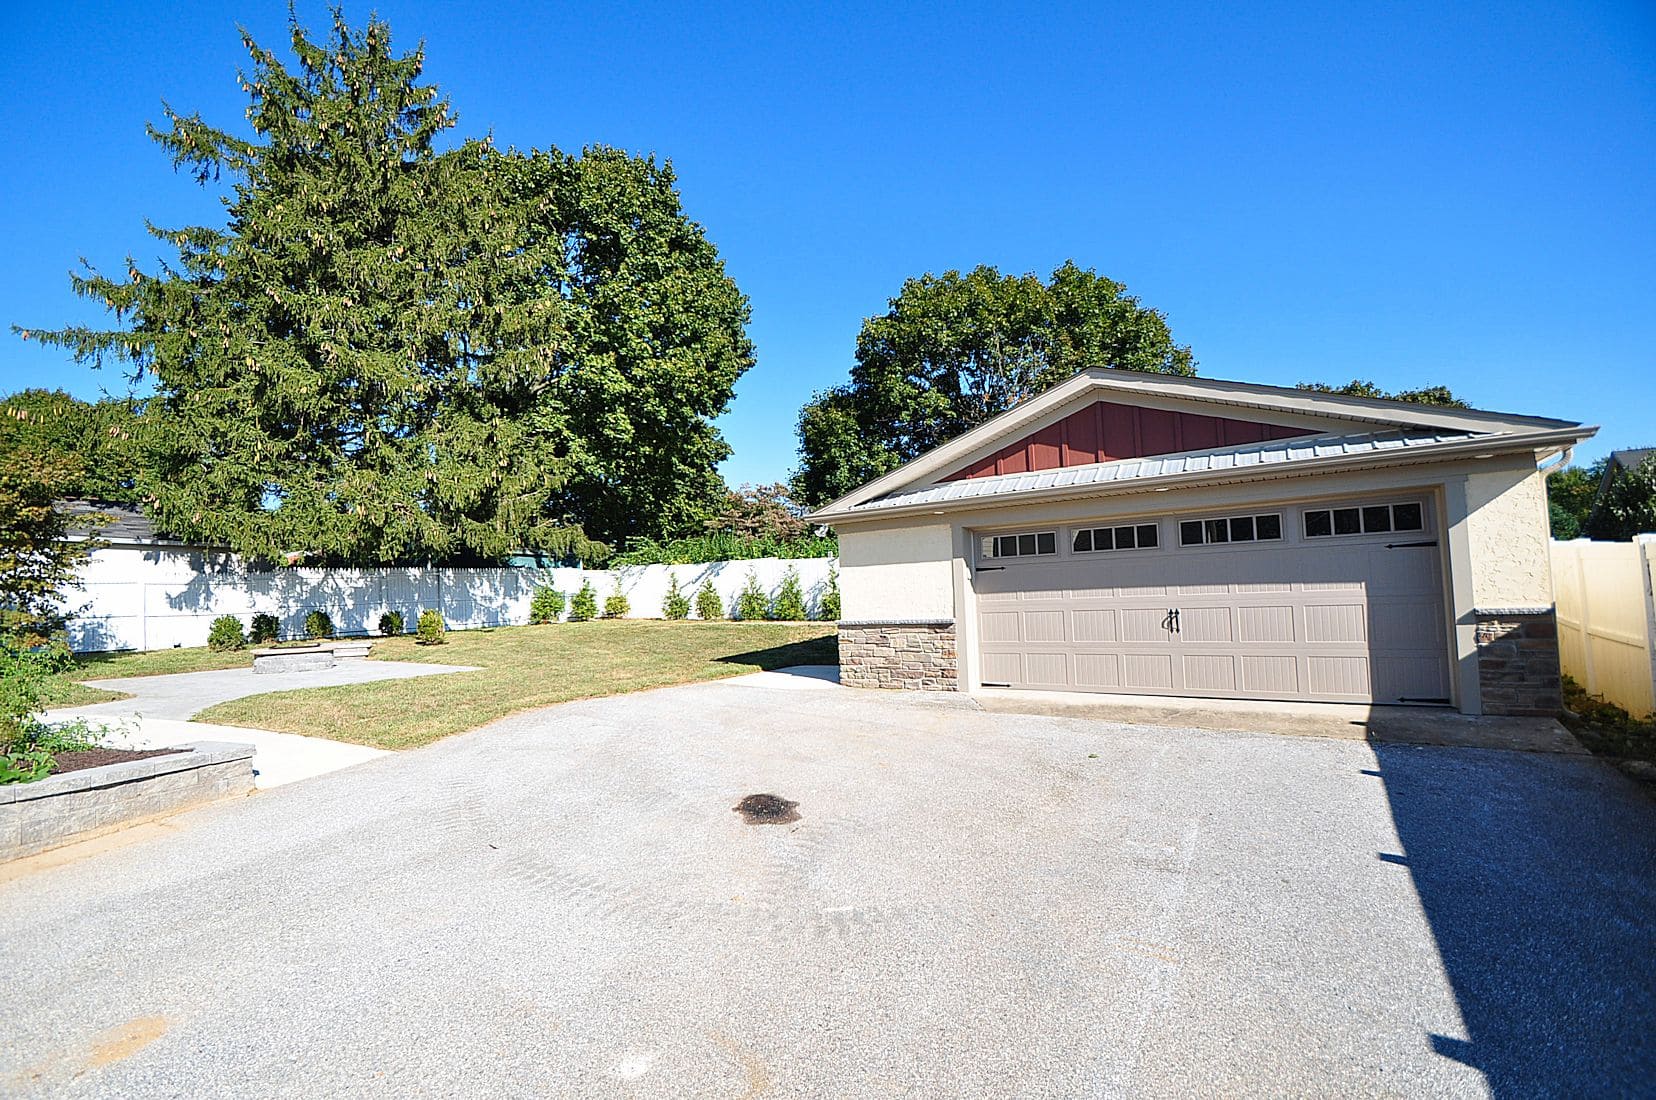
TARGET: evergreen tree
(397,352)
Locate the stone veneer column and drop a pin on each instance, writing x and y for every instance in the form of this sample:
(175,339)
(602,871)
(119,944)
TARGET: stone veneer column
(1518,660)
(909,655)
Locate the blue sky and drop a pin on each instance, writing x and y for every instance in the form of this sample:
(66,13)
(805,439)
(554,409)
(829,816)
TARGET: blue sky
(1410,193)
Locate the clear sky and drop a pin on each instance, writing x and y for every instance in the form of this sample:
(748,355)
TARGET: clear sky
(1409,193)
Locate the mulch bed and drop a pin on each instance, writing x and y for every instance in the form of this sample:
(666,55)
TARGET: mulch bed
(97,758)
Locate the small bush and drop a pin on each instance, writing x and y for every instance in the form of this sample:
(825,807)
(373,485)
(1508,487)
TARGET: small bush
(226,633)
(391,624)
(318,625)
(751,602)
(584,606)
(266,628)
(546,605)
(708,604)
(430,629)
(616,604)
(828,607)
(677,604)
(788,605)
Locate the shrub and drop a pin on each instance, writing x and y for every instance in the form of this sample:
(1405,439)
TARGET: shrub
(616,604)
(677,604)
(708,604)
(546,605)
(266,628)
(391,624)
(751,602)
(788,604)
(226,633)
(28,683)
(584,606)
(828,607)
(430,629)
(318,625)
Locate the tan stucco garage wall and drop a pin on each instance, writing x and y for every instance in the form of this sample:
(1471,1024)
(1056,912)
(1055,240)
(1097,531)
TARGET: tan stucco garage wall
(1507,528)
(896,572)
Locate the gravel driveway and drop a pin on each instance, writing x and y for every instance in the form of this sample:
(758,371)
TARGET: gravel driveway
(563,903)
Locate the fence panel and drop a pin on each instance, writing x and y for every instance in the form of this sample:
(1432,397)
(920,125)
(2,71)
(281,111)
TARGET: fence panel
(161,599)
(1607,618)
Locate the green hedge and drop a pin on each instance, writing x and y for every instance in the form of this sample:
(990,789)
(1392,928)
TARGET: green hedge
(725,547)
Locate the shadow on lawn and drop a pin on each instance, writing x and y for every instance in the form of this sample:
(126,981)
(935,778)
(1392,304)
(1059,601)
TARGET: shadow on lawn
(816,651)
(1538,875)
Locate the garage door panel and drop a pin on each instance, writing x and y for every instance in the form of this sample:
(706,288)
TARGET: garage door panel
(1199,625)
(1404,624)
(1210,673)
(1043,626)
(1410,677)
(1141,591)
(999,626)
(1095,625)
(1147,671)
(1336,622)
(1339,676)
(1141,624)
(1265,624)
(1098,670)
(1276,675)
(1003,668)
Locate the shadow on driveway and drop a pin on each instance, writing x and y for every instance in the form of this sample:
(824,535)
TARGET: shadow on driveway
(1538,876)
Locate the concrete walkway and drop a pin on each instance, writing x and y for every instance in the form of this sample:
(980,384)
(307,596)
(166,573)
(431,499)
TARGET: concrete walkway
(158,714)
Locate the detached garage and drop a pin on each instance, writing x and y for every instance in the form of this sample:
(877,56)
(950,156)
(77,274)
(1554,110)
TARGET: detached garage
(1155,535)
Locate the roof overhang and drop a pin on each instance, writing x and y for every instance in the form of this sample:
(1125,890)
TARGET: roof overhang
(1481,445)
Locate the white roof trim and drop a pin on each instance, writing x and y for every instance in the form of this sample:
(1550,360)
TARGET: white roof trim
(1099,382)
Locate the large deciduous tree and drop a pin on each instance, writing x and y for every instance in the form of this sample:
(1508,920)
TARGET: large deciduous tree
(395,352)
(99,437)
(955,350)
(1357,387)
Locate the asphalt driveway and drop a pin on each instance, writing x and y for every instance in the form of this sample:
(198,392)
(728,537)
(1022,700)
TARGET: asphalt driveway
(563,903)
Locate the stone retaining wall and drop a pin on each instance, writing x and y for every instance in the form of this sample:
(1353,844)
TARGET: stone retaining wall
(61,808)
(1518,661)
(908,655)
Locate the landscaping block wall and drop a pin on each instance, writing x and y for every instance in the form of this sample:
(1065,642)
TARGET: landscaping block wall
(909,656)
(1518,662)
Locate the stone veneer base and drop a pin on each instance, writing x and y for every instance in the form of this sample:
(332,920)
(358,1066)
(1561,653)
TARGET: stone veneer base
(1518,661)
(906,655)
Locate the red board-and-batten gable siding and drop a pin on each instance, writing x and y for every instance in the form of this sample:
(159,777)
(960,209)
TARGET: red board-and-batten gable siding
(1107,432)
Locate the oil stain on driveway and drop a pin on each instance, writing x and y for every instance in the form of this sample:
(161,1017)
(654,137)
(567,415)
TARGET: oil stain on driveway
(564,903)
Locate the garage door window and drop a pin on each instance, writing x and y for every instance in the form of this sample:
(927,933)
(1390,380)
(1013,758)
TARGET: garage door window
(1027,544)
(1266,527)
(1140,536)
(1371,519)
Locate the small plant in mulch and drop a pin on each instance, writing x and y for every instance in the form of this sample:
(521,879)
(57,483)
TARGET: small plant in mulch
(546,605)
(430,630)
(708,604)
(318,625)
(751,602)
(676,605)
(226,634)
(584,606)
(1608,730)
(391,624)
(265,628)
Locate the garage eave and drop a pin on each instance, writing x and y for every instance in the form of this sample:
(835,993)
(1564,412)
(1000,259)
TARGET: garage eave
(1457,447)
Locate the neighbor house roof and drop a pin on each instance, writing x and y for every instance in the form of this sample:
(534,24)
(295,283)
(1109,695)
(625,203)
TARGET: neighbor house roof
(128,523)
(1343,432)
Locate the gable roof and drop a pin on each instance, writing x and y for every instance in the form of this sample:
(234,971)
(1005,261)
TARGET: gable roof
(1354,427)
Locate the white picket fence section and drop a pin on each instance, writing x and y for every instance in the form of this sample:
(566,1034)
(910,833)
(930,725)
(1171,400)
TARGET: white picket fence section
(1607,618)
(161,599)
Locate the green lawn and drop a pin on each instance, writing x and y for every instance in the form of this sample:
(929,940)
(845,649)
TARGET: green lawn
(519,668)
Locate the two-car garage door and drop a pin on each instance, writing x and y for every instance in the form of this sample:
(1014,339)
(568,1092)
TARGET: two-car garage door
(1337,603)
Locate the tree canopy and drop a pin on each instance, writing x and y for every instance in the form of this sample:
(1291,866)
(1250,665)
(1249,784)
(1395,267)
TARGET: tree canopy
(1570,495)
(954,350)
(1357,387)
(393,351)
(1627,506)
(98,440)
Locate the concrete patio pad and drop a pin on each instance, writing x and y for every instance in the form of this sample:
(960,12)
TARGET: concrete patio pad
(1347,721)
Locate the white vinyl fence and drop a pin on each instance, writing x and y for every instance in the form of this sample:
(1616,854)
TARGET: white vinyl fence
(1607,618)
(160,599)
